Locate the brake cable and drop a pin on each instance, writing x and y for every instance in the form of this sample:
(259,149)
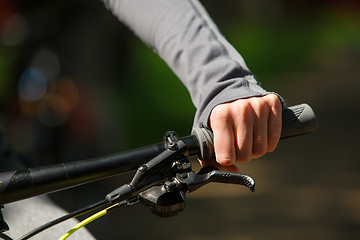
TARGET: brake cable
(74,214)
(92,218)
(5,237)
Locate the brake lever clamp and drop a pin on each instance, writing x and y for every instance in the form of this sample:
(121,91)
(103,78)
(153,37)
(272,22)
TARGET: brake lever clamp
(155,172)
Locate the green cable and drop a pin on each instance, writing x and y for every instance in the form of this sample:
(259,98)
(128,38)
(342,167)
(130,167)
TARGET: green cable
(77,213)
(87,221)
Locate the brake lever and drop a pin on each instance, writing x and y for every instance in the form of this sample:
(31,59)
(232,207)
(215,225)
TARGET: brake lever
(168,199)
(192,181)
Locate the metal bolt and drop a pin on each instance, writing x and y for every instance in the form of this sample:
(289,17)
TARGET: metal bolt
(184,175)
(143,168)
(169,186)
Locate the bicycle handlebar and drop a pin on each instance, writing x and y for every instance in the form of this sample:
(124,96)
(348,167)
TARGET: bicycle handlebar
(17,185)
(298,120)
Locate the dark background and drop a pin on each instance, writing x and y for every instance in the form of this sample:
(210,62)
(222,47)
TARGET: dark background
(100,90)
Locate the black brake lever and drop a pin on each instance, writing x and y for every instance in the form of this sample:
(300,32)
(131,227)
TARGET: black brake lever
(168,199)
(192,181)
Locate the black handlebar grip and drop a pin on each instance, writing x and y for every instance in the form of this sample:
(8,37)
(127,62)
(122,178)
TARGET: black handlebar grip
(296,120)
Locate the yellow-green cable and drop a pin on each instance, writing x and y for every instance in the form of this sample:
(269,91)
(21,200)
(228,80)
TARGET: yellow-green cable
(86,221)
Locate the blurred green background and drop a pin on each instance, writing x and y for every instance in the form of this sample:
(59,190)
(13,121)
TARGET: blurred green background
(100,90)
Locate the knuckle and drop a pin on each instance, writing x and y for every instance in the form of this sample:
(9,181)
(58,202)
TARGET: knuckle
(274,137)
(272,97)
(224,160)
(258,103)
(271,148)
(244,156)
(246,112)
(258,152)
(274,101)
(272,143)
(259,149)
(220,113)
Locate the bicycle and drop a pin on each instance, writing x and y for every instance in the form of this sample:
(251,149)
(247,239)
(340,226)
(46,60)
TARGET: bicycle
(162,179)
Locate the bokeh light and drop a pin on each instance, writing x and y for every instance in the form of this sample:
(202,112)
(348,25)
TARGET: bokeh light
(14,30)
(58,103)
(48,61)
(32,84)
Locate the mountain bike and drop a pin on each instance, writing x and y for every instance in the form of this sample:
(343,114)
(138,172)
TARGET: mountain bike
(163,174)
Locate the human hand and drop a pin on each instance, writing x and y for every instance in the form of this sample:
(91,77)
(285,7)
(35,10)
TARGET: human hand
(245,129)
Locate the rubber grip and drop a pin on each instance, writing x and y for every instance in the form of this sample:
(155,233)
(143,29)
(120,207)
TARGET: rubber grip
(296,120)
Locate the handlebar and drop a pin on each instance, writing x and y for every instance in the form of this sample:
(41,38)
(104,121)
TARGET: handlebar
(17,185)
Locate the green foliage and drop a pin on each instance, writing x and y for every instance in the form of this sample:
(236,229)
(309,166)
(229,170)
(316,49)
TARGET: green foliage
(157,99)
(287,45)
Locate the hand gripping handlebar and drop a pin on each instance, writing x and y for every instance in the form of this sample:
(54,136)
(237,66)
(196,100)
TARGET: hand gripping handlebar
(296,120)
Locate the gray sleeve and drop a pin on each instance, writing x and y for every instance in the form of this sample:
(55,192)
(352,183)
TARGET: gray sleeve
(185,37)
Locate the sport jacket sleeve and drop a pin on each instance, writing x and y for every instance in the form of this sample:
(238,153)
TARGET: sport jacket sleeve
(186,38)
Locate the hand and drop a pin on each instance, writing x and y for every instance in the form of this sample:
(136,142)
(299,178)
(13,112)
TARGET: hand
(245,129)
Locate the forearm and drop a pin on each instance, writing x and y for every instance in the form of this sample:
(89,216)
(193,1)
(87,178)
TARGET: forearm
(182,33)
